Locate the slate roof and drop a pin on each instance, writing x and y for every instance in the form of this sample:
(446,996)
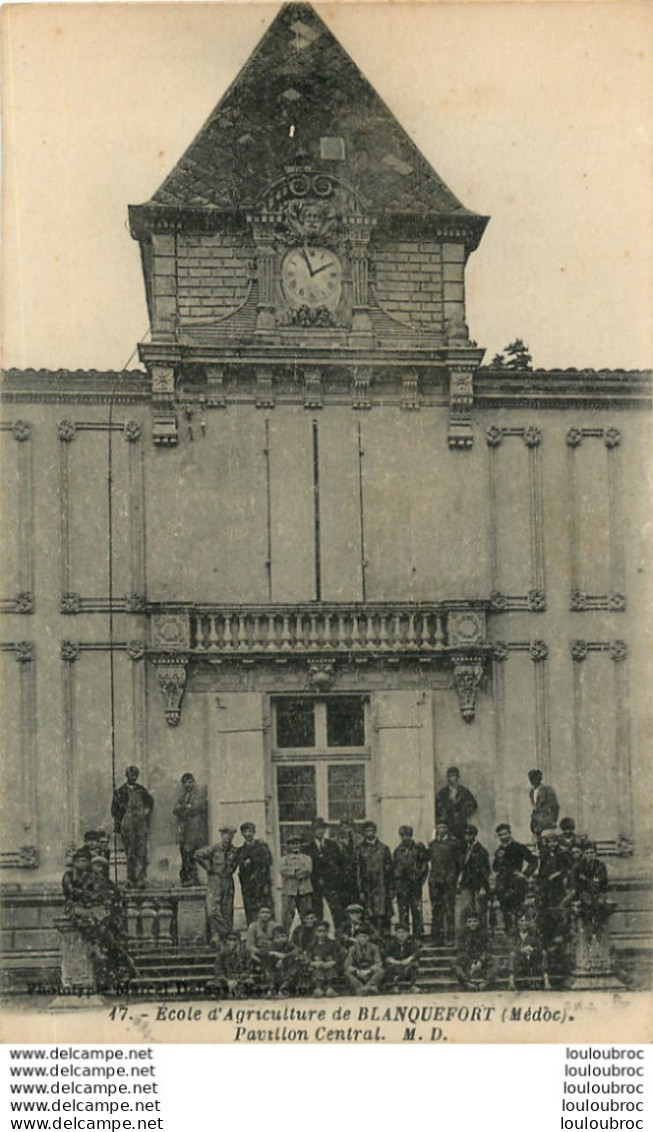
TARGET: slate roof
(300,76)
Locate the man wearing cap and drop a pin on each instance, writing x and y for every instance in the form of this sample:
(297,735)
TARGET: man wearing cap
(233,967)
(513,865)
(192,812)
(376,873)
(363,965)
(543,799)
(131,810)
(474,876)
(411,866)
(327,872)
(254,863)
(355,917)
(220,862)
(455,805)
(444,860)
(296,886)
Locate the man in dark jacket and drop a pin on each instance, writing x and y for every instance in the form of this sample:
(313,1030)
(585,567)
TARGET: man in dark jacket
(543,799)
(192,812)
(376,873)
(131,810)
(411,866)
(513,865)
(474,876)
(327,873)
(254,864)
(444,858)
(455,805)
(401,957)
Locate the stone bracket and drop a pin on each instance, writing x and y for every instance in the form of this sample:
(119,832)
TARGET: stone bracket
(171,675)
(468,669)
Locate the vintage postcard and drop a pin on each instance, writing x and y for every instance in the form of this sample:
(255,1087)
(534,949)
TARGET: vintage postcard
(326,655)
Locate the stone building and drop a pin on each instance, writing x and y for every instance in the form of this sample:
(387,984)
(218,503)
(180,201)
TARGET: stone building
(314,551)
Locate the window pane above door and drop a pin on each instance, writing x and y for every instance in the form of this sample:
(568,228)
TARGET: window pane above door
(296,793)
(295,723)
(346,792)
(345,720)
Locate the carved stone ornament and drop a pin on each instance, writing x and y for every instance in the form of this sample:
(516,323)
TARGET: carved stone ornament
(618,651)
(132,430)
(532,436)
(493,436)
(361,389)
(617,602)
(67,431)
(612,438)
(264,390)
(625,845)
(578,601)
(538,650)
(28,857)
(21,430)
(70,651)
(574,437)
(135,602)
(466,627)
(136,650)
(70,603)
(498,601)
(462,387)
(467,676)
(163,380)
(321,674)
(500,650)
(172,681)
(536,601)
(24,602)
(410,390)
(169,631)
(578,650)
(313,398)
(24,651)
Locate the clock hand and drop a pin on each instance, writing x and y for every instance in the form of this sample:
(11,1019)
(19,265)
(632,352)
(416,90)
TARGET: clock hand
(308,263)
(319,269)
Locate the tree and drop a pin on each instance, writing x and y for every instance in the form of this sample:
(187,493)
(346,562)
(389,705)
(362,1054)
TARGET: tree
(518,356)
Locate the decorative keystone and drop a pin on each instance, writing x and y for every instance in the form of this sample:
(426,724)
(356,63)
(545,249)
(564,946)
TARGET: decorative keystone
(467,676)
(172,681)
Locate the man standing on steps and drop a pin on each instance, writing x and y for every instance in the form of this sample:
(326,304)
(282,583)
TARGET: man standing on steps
(376,875)
(474,877)
(327,873)
(543,799)
(411,864)
(444,858)
(131,810)
(513,865)
(220,862)
(254,864)
(454,806)
(192,813)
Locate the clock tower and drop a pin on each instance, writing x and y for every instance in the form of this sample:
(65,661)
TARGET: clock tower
(303,240)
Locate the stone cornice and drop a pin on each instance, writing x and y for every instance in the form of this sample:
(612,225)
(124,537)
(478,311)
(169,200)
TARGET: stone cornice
(558,388)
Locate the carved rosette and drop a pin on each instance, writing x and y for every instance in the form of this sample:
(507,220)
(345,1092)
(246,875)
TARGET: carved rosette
(67,431)
(135,602)
(24,602)
(321,675)
(21,430)
(169,631)
(465,628)
(617,602)
(536,601)
(574,437)
(500,650)
(172,681)
(578,650)
(493,436)
(612,438)
(498,601)
(70,603)
(70,651)
(538,651)
(24,651)
(135,650)
(467,676)
(532,436)
(578,602)
(618,651)
(28,857)
(132,430)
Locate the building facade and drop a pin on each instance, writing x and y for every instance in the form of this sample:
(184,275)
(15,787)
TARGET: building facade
(314,551)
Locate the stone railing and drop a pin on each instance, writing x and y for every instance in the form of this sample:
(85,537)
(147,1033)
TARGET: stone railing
(374,628)
(151,921)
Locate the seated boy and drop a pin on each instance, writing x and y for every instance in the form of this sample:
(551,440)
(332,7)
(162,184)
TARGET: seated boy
(280,964)
(325,958)
(474,967)
(363,965)
(233,968)
(528,970)
(354,918)
(401,961)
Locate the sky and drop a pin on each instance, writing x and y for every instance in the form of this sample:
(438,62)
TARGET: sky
(536,114)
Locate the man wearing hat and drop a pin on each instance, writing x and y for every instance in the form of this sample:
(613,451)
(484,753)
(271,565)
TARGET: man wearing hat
(376,873)
(192,812)
(254,863)
(220,862)
(131,810)
(327,872)
(455,805)
(543,799)
(296,886)
(411,866)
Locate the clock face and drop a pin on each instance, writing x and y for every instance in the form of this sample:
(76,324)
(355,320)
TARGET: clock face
(312,277)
